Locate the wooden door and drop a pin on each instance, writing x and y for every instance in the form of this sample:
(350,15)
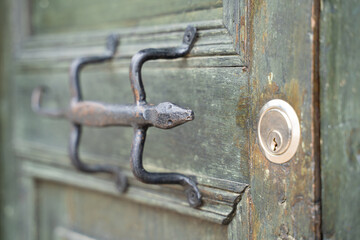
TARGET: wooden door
(246,53)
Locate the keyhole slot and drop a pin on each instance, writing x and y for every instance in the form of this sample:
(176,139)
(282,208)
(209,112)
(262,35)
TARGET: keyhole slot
(275,145)
(274,142)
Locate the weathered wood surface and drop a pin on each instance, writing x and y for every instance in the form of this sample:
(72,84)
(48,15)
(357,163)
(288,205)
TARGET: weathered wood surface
(9,177)
(282,199)
(210,85)
(235,19)
(277,45)
(103,217)
(63,16)
(218,206)
(340,119)
(210,80)
(3,108)
(212,129)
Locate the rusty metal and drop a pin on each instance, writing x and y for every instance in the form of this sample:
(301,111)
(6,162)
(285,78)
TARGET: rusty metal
(140,115)
(170,116)
(74,113)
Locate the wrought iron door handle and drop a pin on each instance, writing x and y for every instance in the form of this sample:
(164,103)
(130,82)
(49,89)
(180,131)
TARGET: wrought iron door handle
(169,115)
(140,115)
(73,112)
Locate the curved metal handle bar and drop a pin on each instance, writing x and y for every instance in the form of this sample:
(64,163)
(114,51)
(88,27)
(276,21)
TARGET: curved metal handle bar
(78,64)
(191,189)
(144,55)
(36,98)
(192,192)
(75,136)
(76,96)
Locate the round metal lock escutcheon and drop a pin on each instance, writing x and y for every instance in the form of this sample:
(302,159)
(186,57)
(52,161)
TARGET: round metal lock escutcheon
(278,131)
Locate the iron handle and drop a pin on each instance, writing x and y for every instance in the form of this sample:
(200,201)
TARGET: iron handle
(172,115)
(96,114)
(140,115)
(76,99)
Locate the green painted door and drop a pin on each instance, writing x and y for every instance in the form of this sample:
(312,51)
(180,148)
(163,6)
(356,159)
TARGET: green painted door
(247,52)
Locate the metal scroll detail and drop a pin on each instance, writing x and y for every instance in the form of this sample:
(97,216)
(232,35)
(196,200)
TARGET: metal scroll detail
(140,115)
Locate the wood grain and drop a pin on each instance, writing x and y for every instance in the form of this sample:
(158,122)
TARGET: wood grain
(70,16)
(340,119)
(236,66)
(102,216)
(282,197)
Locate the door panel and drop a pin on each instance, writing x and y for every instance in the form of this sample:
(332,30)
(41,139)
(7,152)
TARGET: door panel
(246,53)
(63,16)
(284,61)
(340,128)
(202,89)
(210,80)
(103,216)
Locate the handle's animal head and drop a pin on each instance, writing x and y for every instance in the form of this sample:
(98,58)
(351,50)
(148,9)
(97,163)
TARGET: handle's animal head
(168,115)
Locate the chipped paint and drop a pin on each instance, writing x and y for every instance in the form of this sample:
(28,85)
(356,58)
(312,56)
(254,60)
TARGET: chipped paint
(270,78)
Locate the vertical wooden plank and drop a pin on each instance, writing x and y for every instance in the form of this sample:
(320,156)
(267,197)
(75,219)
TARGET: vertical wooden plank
(235,20)
(239,226)
(2,111)
(13,28)
(282,200)
(340,118)
(28,207)
(8,189)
